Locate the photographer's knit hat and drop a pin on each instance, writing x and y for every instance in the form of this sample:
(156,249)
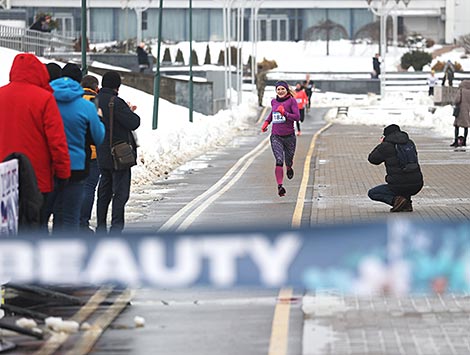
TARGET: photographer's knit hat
(390,129)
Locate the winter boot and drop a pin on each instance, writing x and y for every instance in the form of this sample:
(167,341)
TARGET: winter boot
(408,207)
(281,190)
(455,143)
(399,203)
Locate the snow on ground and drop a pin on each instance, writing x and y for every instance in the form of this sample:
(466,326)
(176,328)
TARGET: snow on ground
(310,57)
(177,141)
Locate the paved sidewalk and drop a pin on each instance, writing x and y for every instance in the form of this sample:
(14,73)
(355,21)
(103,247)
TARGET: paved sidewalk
(343,176)
(349,325)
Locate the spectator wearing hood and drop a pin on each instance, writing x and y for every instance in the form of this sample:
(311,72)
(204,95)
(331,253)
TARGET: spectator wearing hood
(30,122)
(78,115)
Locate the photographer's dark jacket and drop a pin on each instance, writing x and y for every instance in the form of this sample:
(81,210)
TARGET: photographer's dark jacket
(125,121)
(402,183)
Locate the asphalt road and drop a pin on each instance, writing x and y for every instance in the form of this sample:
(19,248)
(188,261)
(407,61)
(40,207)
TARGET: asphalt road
(201,322)
(232,188)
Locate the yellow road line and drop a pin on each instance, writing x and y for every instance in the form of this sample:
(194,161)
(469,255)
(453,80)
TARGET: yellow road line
(280,328)
(262,116)
(299,207)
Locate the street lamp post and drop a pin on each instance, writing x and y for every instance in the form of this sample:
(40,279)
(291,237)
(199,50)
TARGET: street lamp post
(382,8)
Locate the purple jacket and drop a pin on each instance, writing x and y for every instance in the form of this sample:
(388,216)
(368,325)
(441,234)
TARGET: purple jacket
(284,125)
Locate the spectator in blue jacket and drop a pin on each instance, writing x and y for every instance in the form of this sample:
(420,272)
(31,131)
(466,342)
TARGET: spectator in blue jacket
(78,115)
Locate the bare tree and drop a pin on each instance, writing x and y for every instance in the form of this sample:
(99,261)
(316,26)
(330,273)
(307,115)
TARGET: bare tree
(465,41)
(326,29)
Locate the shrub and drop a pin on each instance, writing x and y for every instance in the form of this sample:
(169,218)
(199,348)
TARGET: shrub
(415,59)
(179,57)
(207,58)
(167,56)
(439,66)
(221,59)
(194,57)
(430,42)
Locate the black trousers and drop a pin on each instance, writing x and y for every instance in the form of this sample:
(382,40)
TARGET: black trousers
(114,186)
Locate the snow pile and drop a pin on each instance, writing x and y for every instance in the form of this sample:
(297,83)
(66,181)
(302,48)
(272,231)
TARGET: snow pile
(404,109)
(57,324)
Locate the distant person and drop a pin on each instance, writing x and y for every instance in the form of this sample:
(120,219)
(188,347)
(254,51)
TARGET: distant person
(284,112)
(42,24)
(90,85)
(55,71)
(376,66)
(308,87)
(404,178)
(114,184)
(462,99)
(30,123)
(142,57)
(432,82)
(302,100)
(79,116)
(449,70)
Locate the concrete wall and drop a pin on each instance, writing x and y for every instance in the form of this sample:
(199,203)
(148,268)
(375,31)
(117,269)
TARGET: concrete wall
(171,89)
(345,86)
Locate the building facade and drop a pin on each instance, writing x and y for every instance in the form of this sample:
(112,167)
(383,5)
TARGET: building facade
(108,20)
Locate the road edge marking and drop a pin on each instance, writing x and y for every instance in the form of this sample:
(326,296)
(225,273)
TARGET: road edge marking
(280,327)
(299,207)
(202,207)
(168,225)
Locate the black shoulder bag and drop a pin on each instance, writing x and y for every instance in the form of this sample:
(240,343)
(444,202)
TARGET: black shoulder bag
(124,156)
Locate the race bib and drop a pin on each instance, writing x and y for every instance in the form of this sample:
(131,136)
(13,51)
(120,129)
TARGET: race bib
(299,101)
(278,118)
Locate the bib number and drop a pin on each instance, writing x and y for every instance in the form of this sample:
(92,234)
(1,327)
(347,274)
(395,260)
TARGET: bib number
(278,118)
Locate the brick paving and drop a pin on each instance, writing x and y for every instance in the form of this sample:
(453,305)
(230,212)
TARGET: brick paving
(391,326)
(343,176)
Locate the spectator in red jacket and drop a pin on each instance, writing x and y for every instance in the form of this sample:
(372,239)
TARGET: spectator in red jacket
(30,122)
(302,101)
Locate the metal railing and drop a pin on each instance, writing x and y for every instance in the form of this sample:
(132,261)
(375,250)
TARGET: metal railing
(39,43)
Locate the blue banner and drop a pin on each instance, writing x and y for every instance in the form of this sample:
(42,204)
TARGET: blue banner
(397,257)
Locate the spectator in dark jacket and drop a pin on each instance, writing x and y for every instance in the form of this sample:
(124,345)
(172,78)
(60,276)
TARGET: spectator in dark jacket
(376,66)
(400,185)
(142,58)
(114,184)
(42,24)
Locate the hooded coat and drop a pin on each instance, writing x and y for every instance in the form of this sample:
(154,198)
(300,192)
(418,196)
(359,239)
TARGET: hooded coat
(463,99)
(78,115)
(30,121)
(402,183)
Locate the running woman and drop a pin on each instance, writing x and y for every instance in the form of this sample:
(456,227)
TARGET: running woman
(302,100)
(284,112)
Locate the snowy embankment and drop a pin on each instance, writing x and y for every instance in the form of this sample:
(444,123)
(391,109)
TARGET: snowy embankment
(176,140)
